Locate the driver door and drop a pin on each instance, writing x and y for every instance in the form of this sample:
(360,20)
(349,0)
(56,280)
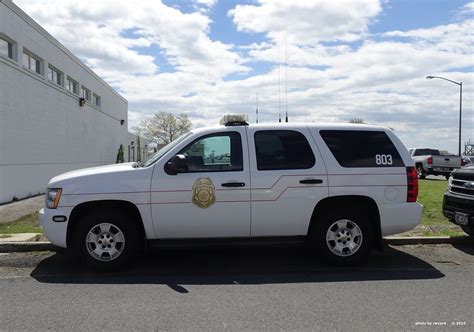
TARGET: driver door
(211,198)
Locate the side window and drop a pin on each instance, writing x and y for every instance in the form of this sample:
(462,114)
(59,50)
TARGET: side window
(360,148)
(220,152)
(282,149)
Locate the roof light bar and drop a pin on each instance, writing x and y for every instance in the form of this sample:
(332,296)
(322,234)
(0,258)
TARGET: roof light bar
(234,120)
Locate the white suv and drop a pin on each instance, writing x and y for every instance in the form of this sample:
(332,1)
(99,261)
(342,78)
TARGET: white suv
(340,187)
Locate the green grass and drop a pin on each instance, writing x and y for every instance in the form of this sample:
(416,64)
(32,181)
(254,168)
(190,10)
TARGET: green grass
(431,196)
(26,224)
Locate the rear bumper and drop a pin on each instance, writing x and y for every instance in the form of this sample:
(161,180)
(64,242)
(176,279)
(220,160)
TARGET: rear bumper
(440,171)
(399,217)
(453,203)
(56,232)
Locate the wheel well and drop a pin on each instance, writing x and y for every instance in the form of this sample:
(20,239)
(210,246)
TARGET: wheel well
(82,209)
(363,203)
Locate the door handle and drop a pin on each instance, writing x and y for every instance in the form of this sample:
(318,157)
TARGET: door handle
(233,184)
(311,181)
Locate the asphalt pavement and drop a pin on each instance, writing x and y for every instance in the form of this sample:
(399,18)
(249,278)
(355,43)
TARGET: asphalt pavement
(403,288)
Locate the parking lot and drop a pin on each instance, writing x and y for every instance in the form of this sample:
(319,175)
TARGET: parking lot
(404,288)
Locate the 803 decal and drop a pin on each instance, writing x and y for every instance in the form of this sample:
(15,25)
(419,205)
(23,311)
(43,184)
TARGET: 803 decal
(383,159)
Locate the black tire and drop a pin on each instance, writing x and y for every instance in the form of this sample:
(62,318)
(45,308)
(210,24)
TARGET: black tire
(129,248)
(326,221)
(421,173)
(469,230)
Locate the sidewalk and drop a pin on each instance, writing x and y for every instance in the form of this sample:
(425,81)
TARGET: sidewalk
(15,210)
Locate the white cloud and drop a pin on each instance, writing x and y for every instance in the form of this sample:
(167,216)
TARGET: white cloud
(94,30)
(307,22)
(381,78)
(207,3)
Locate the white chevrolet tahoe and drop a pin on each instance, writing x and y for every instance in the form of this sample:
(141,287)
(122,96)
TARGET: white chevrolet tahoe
(340,187)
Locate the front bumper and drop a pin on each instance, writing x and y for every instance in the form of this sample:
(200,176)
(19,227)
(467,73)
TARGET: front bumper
(56,232)
(453,203)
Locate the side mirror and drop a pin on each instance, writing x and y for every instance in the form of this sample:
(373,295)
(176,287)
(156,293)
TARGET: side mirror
(176,165)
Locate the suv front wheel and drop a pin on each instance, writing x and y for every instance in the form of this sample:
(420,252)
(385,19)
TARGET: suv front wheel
(107,241)
(343,238)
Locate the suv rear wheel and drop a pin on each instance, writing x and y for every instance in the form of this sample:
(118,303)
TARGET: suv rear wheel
(420,171)
(344,238)
(107,241)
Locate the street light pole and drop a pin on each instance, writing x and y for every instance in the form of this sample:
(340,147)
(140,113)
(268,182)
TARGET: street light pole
(460,104)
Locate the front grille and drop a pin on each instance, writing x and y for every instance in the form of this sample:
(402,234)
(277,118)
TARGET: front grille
(450,205)
(462,186)
(464,176)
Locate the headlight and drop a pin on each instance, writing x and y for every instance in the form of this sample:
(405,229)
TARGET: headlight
(53,195)
(450,182)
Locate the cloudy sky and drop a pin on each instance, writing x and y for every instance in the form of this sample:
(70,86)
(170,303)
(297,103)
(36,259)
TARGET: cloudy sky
(335,60)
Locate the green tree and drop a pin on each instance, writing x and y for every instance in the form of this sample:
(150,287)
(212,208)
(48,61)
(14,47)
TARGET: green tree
(120,155)
(139,148)
(164,127)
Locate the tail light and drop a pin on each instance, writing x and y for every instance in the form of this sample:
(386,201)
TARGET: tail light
(430,160)
(412,184)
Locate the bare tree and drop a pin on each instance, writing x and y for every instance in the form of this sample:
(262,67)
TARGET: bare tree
(164,127)
(356,120)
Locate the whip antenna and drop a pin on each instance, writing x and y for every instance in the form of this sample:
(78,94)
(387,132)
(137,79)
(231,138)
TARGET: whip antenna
(256,110)
(279,90)
(286,80)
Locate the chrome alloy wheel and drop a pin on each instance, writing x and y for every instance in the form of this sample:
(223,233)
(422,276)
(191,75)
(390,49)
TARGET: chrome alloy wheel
(344,238)
(105,242)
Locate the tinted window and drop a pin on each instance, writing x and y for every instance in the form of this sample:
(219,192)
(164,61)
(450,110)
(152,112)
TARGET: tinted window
(282,149)
(354,148)
(215,152)
(426,152)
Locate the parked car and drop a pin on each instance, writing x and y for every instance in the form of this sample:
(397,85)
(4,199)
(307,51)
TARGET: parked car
(458,203)
(431,162)
(340,188)
(468,160)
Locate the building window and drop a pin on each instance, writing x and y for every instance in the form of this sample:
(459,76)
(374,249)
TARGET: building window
(6,48)
(72,86)
(96,100)
(32,62)
(86,93)
(55,75)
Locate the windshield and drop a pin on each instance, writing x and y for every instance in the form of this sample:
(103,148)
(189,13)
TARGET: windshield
(155,157)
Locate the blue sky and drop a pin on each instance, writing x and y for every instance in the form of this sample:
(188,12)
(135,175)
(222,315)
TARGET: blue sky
(346,59)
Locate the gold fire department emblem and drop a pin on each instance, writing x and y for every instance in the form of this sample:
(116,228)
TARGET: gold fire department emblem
(203,193)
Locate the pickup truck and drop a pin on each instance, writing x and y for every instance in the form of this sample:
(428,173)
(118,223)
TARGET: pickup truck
(458,202)
(431,162)
(337,187)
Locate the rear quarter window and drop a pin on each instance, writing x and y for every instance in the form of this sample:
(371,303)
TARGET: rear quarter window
(359,148)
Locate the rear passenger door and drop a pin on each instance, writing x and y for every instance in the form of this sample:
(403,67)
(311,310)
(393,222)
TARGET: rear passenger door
(288,179)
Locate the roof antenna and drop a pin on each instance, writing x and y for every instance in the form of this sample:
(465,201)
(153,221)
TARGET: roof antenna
(286,79)
(279,92)
(256,110)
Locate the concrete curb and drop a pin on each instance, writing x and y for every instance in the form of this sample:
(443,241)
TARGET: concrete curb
(26,246)
(391,240)
(400,241)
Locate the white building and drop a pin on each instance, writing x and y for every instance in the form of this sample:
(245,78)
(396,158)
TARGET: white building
(56,114)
